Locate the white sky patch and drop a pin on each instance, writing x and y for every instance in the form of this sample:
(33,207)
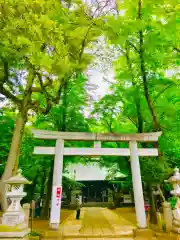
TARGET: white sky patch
(163,21)
(96,77)
(172,72)
(102,86)
(3,103)
(122,12)
(100,73)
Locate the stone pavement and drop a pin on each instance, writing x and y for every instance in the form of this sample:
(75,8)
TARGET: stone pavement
(101,224)
(43,225)
(127,213)
(95,223)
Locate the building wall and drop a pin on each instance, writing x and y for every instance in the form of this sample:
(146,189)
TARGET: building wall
(90,172)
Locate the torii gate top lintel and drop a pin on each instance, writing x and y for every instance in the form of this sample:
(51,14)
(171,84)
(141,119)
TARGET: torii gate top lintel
(88,136)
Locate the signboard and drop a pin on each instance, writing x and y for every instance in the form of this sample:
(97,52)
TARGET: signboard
(58,195)
(58,192)
(127,199)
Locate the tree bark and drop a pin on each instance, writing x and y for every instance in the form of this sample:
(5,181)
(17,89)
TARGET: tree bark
(145,84)
(64,105)
(144,74)
(12,162)
(13,157)
(137,93)
(45,209)
(42,196)
(153,216)
(43,180)
(33,187)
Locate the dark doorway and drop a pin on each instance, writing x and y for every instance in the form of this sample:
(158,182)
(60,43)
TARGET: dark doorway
(92,192)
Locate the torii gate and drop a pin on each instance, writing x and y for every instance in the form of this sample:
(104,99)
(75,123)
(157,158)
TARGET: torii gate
(133,151)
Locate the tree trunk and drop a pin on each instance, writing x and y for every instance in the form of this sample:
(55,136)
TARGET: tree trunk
(33,187)
(137,93)
(45,209)
(153,216)
(43,180)
(145,85)
(12,161)
(13,157)
(144,74)
(64,106)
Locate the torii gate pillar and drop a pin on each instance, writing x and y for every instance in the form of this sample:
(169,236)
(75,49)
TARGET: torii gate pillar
(57,185)
(137,185)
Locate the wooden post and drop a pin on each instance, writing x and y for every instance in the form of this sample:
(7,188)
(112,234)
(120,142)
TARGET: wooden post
(137,185)
(57,185)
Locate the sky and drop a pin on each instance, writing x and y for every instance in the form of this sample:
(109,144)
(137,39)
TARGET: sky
(96,78)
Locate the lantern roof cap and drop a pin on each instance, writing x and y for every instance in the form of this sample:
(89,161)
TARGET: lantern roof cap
(17,179)
(175,178)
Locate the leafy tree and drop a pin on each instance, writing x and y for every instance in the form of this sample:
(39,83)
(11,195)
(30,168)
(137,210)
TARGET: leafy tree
(143,93)
(43,77)
(65,116)
(37,62)
(7,118)
(144,35)
(37,168)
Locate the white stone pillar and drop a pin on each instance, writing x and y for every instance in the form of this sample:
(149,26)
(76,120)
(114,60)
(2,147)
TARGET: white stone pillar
(168,217)
(26,208)
(57,183)
(137,185)
(97,144)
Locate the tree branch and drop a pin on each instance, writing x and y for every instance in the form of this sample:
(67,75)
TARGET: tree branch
(6,72)
(160,93)
(109,124)
(9,95)
(132,121)
(84,41)
(132,45)
(3,90)
(87,33)
(35,105)
(47,83)
(176,49)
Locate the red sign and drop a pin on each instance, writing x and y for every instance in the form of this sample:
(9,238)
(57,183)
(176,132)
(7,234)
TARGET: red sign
(58,192)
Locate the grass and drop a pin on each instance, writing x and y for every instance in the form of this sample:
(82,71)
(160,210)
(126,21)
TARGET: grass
(34,234)
(4,228)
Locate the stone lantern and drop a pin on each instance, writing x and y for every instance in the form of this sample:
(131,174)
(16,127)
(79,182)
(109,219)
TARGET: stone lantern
(175,181)
(15,216)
